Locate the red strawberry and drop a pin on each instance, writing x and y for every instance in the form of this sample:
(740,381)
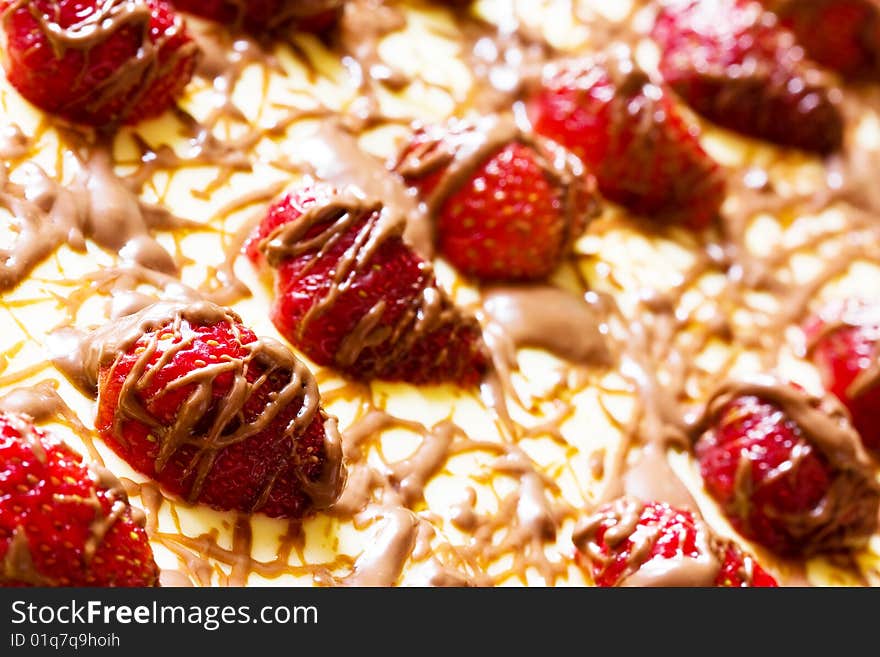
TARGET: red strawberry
(634,543)
(845,341)
(740,570)
(63,523)
(733,63)
(94,62)
(351,294)
(505,207)
(258,16)
(843,35)
(191,398)
(627,130)
(786,468)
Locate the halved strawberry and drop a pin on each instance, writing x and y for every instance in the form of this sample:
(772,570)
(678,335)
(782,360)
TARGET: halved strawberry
(98,63)
(505,206)
(630,542)
(192,398)
(62,522)
(643,152)
(733,63)
(350,294)
(787,468)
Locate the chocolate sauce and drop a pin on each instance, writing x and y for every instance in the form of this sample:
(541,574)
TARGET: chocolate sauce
(653,346)
(549,318)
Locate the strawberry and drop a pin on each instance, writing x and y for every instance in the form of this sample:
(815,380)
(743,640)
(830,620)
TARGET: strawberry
(844,345)
(740,570)
(505,207)
(786,468)
(627,130)
(843,35)
(350,294)
(63,522)
(733,63)
(190,397)
(258,16)
(630,542)
(98,63)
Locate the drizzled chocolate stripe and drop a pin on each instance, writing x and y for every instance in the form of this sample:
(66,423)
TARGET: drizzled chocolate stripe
(88,354)
(107,18)
(97,205)
(45,220)
(18,564)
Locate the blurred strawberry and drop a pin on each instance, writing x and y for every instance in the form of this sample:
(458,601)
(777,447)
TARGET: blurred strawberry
(98,63)
(259,16)
(846,347)
(733,63)
(350,294)
(630,134)
(787,469)
(63,523)
(843,35)
(630,542)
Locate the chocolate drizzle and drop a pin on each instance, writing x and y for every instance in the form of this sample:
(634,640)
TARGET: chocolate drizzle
(549,318)
(332,154)
(18,564)
(97,205)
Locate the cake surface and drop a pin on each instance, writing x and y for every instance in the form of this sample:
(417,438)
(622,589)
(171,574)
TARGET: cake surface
(600,374)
